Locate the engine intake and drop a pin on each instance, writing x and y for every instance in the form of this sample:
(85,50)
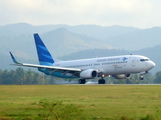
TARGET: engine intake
(90,73)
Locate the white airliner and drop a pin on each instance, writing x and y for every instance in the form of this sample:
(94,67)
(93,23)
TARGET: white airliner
(120,67)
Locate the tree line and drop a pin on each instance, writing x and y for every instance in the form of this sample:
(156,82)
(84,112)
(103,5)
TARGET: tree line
(21,76)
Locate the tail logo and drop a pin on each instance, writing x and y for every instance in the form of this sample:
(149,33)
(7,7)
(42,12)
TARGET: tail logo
(125,58)
(44,55)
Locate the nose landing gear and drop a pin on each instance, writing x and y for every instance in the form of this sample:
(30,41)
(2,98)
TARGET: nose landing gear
(141,77)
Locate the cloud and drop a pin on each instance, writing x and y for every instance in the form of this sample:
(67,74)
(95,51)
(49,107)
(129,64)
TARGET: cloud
(137,13)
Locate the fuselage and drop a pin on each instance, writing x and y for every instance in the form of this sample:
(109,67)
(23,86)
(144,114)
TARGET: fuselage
(125,64)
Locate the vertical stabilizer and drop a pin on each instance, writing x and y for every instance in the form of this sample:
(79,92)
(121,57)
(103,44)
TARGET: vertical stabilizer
(44,55)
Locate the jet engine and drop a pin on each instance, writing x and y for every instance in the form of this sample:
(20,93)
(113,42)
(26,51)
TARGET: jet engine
(122,76)
(90,73)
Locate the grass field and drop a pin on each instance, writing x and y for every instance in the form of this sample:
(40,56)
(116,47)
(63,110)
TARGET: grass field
(103,102)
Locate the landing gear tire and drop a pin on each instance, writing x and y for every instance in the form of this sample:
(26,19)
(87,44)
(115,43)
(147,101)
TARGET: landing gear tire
(81,81)
(141,77)
(101,81)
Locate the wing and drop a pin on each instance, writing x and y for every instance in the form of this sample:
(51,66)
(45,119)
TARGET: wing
(64,70)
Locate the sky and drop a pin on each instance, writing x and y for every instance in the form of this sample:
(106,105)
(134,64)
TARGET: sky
(136,13)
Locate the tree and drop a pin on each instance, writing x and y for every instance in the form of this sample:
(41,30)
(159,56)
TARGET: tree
(157,80)
(29,76)
(20,75)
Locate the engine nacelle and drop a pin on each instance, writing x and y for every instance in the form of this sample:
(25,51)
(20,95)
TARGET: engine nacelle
(122,76)
(90,73)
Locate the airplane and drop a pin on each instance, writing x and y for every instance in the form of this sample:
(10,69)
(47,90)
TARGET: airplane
(120,67)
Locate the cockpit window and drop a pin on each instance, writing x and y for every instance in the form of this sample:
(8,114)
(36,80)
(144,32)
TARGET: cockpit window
(144,60)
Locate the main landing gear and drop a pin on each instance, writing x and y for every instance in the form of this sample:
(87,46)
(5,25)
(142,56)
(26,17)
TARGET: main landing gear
(81,81)
(101,81)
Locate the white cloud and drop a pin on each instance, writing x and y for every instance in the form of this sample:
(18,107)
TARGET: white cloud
(137,13)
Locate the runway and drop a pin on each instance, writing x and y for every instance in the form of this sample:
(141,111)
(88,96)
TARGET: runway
(112,84)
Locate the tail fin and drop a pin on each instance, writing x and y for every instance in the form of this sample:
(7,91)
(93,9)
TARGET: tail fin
(44,55)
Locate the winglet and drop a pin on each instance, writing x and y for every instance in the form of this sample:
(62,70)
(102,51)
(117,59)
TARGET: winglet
(13,58)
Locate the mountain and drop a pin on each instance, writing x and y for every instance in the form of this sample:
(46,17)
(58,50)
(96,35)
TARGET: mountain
(100,32)
(93,31)
(94,53)
(120,37)
(154,54)
(62,42)
(137,39)
(59,41)
(6,61)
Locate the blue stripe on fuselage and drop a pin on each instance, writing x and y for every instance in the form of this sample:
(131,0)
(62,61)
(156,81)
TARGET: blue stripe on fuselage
(56,74)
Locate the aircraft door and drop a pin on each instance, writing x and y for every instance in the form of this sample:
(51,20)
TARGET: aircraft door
(133,62)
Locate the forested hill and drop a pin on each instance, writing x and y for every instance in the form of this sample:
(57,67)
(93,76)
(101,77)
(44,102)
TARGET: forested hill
(64,39)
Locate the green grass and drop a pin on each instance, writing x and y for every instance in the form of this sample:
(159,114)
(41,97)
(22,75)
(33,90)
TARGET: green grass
(103,102)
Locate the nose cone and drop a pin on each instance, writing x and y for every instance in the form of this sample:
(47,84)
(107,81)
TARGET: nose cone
(151,64)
